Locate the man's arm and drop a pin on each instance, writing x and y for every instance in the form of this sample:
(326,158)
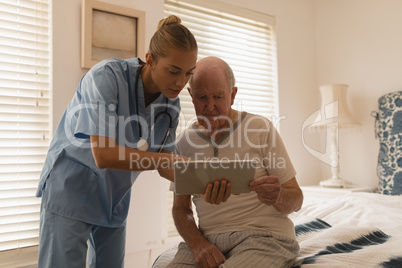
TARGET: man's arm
(205,253)
(286,198)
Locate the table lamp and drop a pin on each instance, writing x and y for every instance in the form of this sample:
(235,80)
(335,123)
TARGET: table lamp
(334,114)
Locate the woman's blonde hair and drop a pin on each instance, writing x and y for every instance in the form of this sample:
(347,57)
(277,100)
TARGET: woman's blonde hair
(171,34)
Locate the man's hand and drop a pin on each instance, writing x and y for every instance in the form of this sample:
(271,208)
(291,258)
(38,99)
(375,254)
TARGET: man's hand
(217,192)
(208,256)
(268,189)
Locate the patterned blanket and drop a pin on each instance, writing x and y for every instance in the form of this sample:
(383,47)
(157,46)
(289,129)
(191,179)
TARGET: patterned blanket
(323,245)
(341,246)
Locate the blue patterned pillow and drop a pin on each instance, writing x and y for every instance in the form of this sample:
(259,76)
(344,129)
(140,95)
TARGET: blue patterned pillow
(389,132)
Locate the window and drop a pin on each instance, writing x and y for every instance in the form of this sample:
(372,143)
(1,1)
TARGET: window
(246,41)
(24,117)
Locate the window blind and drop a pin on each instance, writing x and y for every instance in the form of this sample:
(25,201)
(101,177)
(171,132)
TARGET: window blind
(246,41)
(24,117)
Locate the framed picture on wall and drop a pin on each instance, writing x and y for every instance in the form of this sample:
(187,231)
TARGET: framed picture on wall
(110,31)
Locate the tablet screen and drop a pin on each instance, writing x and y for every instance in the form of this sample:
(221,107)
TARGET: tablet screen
(192,177)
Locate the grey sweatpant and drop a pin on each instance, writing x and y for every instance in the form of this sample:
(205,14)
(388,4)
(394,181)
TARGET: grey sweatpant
(257,249)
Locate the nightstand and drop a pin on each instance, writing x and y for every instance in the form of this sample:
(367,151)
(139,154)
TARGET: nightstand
(314,194)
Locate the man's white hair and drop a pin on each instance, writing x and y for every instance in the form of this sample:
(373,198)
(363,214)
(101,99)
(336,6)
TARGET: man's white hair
(230,78)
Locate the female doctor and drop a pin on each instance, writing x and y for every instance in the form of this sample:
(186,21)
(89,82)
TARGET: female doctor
(122,120)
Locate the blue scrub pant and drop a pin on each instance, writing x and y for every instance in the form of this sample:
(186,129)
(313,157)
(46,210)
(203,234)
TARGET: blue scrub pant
(63,243)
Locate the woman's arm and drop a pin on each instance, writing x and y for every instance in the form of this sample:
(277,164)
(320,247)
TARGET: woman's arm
(108,154)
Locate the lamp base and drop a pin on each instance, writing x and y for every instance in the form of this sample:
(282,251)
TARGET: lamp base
(334,183)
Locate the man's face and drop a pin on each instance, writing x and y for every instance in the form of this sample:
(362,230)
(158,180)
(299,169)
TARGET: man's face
(212,99)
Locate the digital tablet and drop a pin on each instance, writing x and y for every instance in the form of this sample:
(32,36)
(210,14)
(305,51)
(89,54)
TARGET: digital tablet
(192,177)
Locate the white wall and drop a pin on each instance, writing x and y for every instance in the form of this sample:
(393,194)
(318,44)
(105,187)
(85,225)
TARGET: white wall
(67,45)
(296,75)
(356,42)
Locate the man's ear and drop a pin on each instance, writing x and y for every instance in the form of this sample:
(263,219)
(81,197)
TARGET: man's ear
(233,94)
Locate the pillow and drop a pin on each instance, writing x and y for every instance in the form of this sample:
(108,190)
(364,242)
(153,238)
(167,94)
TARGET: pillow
(389,132)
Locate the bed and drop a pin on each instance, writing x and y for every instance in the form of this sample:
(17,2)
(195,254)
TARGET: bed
(353,230)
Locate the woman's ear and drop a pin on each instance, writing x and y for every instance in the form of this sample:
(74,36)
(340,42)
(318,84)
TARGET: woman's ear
(149,60)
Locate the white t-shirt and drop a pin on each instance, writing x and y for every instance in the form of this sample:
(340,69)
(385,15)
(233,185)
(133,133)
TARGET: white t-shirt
(253,137)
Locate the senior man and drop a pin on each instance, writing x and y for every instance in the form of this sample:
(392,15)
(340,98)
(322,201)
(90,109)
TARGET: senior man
(246,230)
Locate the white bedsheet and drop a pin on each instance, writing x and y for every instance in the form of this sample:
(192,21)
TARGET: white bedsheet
(359,209)
(356,230)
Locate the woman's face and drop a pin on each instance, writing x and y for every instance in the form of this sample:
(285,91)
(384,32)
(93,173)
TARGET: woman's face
(171,74)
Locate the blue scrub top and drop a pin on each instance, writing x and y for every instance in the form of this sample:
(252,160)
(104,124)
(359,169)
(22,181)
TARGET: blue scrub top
(71,185)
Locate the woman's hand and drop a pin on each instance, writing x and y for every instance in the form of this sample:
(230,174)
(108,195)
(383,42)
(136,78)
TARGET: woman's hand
(166,170)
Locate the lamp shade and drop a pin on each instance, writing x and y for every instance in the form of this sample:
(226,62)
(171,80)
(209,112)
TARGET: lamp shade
(334,108)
